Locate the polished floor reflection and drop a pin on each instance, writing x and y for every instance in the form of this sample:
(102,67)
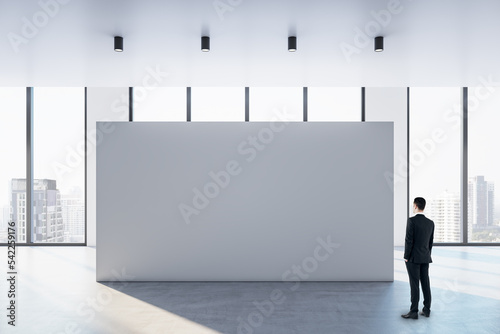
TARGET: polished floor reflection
(57,293)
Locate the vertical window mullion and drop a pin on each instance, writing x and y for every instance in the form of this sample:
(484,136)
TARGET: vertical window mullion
(131,104)
(465,176)
(408,151)
(85,197)
(363,104)
(188,104)
(247,104)
(304,107)
(29,162)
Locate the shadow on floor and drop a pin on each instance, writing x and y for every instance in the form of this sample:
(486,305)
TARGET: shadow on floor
(315,307)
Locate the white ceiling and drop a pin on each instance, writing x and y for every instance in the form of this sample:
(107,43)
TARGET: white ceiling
(427,43)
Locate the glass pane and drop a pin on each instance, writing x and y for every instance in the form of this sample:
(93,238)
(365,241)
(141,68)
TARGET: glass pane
(334,104)
(13,170)
(387,104)
(218,104)
(435,119)
(282,102)
(104,105)
(484,165)
(58,185)
(160,104)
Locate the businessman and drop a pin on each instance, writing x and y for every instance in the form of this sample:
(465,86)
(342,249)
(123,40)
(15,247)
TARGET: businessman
(418,246)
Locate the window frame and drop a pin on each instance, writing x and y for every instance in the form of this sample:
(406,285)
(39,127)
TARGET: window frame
(463,142)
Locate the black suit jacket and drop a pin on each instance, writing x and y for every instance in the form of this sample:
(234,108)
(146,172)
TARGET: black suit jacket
(419,239)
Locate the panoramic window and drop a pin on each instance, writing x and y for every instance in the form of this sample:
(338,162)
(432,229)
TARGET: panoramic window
(435,157)
(217,104)
(267,103)
(484,173)
(58,212)
(160,104)
(334,104)
(13,171)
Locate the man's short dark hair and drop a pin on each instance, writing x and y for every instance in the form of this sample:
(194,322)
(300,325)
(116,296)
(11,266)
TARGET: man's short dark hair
(419,202)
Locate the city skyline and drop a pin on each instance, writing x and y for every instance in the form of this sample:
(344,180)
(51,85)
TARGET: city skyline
(56,217)
(482,219)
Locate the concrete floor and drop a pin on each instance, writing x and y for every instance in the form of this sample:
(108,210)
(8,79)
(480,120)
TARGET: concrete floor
(57,293)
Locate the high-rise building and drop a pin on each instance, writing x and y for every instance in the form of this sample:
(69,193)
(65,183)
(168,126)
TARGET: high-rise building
(73,213)
(481,202)
(5,217)
(444,210)
(46,214)
(18,205)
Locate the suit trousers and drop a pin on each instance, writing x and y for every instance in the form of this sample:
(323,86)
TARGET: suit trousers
(419,272)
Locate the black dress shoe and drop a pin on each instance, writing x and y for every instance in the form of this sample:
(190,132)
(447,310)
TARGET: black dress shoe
(426,314)
(410,315)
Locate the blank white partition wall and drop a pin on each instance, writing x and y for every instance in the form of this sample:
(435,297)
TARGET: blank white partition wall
(225,201)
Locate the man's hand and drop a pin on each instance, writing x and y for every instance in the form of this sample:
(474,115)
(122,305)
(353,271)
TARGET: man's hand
(406,260)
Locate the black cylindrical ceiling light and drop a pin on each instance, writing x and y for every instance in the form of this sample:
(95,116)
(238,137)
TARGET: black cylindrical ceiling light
(292,43)
(379,44)
(118,43)
(205,44)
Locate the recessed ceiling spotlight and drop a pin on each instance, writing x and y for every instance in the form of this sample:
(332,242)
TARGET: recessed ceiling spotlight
(118,43)
(205,44)
(379,44)
(292,43)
